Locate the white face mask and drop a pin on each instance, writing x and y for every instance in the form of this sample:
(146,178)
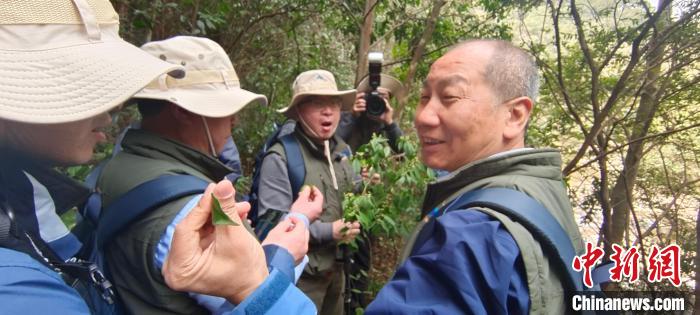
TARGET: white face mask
(211,142)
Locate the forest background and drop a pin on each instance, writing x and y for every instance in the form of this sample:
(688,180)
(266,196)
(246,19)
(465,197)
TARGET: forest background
(620,87)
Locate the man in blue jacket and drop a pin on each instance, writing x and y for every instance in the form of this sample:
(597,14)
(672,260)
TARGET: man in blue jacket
(471,121)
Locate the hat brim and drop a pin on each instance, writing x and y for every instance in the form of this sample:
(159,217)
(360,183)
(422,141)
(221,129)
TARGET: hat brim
(214,103)
(388,82)
(347,98)
(73,83)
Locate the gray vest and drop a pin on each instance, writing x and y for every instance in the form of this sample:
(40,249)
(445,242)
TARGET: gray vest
(322,257)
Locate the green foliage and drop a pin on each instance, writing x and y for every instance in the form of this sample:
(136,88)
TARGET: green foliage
(391,206)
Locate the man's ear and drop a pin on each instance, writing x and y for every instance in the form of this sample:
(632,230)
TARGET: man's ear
(519,110)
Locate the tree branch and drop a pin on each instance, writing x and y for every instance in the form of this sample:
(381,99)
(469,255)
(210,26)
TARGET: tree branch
(616,91)
(662,134)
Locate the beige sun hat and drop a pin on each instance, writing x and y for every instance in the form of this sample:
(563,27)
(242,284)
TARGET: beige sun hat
(318,83)
(210,87)
(63,61)
(388,82)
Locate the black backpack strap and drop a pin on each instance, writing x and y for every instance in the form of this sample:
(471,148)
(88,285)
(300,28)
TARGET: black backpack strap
(255,181)
(528,212)
(295,163)
(141,199)
(296,171)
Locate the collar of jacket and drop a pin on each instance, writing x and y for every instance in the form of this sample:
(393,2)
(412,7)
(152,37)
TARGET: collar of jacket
(337,145)
(152,145)
(534,162)
(65,191)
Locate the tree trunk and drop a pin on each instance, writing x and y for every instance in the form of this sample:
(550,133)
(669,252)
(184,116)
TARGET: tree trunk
(418,53)
(696,309)
(622,193)
(365,40)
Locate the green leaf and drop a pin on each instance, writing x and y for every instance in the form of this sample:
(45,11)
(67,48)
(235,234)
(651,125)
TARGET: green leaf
(218,216)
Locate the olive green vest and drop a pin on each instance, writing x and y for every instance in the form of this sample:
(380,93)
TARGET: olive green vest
(130,256)
(323,256)
(536,173)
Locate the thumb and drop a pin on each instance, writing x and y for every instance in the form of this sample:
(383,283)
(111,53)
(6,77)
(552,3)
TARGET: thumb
(295,225)
(315,195)
(304,192)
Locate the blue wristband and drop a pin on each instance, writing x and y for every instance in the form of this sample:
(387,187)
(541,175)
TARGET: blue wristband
(299,216)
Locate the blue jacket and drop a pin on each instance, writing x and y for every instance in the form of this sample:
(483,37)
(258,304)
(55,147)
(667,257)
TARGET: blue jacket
(471,265)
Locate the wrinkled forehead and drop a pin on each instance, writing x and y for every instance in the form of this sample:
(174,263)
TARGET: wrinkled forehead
(438,81)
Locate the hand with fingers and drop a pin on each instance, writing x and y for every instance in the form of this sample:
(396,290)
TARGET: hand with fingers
(309,202)
(360,105)
(292,235)
(345,231)
(219,260)
(374,179)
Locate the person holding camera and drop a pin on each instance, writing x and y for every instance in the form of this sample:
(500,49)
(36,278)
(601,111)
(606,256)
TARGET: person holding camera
(372,115)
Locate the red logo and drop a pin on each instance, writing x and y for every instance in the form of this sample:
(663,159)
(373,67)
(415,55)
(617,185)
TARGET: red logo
(665,264)
(661,263)
(626,264)
(586,262)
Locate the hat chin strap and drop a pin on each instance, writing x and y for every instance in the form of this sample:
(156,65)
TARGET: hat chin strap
(211,142)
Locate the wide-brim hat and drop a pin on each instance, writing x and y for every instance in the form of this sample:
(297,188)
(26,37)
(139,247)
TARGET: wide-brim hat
(388,82)
(318,83)
(63,61)
(210,87)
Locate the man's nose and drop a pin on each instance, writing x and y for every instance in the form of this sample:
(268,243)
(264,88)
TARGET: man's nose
(327,109)
(427,115)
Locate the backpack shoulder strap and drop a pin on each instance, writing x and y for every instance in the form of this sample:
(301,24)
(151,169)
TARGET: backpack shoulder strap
(528,212)
(93,205)
(142,198)
(295,162)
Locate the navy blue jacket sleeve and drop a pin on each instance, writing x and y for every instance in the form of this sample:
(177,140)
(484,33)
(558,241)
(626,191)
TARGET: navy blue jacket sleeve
(471,264)
(28,287)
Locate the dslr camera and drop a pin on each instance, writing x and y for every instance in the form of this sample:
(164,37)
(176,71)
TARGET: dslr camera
(375,103)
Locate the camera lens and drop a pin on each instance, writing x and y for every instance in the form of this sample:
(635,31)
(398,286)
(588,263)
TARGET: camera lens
(375,104)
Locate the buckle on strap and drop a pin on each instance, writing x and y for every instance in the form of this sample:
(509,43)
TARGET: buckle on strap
(89,273)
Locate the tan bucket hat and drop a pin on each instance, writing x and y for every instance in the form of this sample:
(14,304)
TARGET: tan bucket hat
(388,82)
(210,87)
(318,82)
(63,61)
